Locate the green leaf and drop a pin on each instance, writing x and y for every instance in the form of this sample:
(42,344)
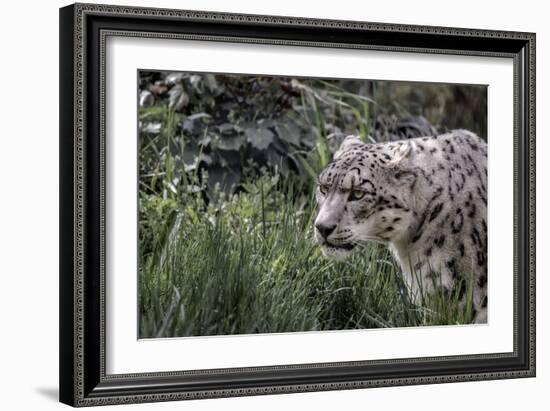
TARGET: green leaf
(146,98)
(194,123)
(259,138)
(289,131)
(174,78)
(212,84)
(150,128)
(230,143)
(229,129)
(178,98)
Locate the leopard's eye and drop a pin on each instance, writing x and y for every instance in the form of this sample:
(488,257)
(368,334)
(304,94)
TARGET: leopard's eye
(355,195)
(323,189)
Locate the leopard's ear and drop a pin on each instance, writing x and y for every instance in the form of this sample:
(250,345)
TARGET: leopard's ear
(351,142)
(400,153)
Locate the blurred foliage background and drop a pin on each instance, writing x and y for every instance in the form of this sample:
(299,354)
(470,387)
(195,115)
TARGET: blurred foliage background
(226,123)
(232,150)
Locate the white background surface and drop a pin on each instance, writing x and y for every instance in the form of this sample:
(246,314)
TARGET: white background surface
(29,205)
(126,354)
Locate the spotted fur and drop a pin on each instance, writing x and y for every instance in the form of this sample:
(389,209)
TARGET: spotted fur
(425,198)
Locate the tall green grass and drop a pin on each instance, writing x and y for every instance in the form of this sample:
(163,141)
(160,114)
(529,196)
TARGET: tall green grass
(249,265)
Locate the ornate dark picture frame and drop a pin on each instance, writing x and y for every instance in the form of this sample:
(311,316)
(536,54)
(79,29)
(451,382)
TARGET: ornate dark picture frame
(83,30)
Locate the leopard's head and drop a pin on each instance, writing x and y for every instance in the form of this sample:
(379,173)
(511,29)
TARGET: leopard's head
(363,195)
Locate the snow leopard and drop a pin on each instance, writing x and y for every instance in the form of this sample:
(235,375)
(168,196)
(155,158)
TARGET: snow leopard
(424,198)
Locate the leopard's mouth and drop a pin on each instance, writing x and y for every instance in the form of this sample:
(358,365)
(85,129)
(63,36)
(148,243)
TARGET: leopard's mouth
(345,246)
(337,252)
(334,250)
(337,247)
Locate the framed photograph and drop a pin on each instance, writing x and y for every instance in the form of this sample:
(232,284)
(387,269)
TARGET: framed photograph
(261,204)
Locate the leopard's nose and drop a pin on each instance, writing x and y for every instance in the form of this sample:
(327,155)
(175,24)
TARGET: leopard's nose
(325,230)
